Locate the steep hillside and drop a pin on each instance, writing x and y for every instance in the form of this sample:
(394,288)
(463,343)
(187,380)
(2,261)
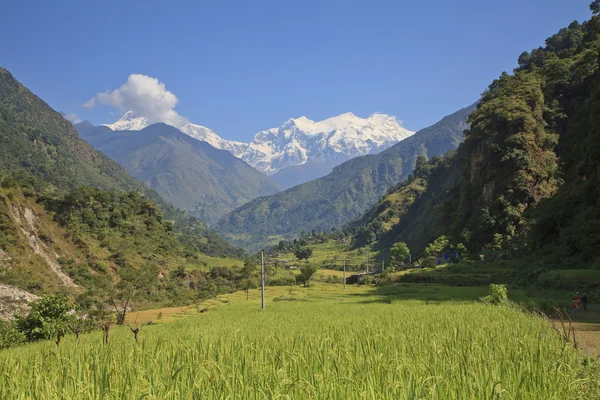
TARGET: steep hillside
(191,174)
(342,195)
(86,241)
(527,178)
(38,141)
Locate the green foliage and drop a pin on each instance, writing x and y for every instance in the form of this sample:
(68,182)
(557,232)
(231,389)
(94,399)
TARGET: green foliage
(10,336)
(342,195)
(133,283)
(49,317)
(407,341)
(437,247)
(428,262)
(527,177)
(205,181)
(498,295)
(42,153)
(307,271)
(303,253)
(400,251)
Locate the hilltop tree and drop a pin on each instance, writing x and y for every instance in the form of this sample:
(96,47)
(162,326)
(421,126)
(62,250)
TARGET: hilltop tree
(303,253)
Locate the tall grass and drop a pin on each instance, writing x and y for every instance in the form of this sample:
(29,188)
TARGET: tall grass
(327,348)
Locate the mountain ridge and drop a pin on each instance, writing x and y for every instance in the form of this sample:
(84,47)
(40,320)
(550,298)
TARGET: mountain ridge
(300,149)
(192,174)
(344,194)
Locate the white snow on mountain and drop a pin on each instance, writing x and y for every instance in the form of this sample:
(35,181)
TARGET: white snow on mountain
(298,141)
(302,140)
(131,122)
(202,133)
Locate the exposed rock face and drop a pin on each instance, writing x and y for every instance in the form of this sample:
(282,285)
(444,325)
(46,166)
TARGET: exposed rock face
(26,221)
(13,301)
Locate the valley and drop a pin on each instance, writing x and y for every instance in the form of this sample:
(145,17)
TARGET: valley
(330,257)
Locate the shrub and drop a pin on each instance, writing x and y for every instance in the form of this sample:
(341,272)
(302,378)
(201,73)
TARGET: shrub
(428,262)
(10,335)
(498,295)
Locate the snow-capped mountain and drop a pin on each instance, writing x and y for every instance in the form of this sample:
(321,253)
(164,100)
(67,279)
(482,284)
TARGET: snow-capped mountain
(300,141)
(201,133)
(131,122)
(300,149)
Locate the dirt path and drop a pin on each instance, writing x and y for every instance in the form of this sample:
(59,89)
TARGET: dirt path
(587,329)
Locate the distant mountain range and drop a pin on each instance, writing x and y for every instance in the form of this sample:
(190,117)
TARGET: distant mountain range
(131,122)
(301,149)
(346,193)
(191,174)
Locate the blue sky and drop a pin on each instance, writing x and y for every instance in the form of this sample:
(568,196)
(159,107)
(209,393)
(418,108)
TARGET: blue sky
(238,67)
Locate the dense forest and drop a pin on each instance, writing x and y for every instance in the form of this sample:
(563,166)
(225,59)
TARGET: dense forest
(526,179)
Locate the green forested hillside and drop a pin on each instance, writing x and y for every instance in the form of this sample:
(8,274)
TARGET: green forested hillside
(527,177)
(37,141)
(342,195)
(189,173)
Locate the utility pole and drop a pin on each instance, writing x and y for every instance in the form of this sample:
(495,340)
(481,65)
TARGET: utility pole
(409,258)
(262,278)
(367,262)
(344,272)
(382,265)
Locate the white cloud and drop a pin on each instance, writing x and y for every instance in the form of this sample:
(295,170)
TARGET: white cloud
(91,103)
(144,95)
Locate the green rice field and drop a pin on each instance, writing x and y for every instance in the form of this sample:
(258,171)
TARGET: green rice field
(315,343)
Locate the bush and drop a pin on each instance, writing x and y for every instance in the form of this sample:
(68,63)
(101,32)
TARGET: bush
(428,262)
(10,335)
(49,317)
(498,295)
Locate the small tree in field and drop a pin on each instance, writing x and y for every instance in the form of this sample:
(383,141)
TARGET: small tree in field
(399,252)
(307,271)
(498,295)
(303,253)
(132,282)
(49,317)
(249,276)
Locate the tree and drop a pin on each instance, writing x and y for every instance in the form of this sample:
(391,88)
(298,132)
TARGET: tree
(303,253)
(307,271)
(80,321)
(439,245)
(595,7)
(132,282)
(49,317)
(400,252)
(249,276)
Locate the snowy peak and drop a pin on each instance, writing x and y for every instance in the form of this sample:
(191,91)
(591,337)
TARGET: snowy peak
(129,122)
(202,133)
(298,141)
(302,140)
